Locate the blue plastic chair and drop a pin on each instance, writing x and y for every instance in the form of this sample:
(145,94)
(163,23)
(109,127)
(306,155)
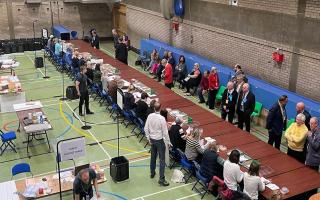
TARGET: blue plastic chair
(204,181)
(175,156)
(20,168)
(7,141)
(186,165)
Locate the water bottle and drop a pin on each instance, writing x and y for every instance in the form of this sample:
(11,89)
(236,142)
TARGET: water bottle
(41,119)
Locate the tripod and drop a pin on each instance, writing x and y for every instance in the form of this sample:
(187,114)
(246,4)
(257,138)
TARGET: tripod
(85,126)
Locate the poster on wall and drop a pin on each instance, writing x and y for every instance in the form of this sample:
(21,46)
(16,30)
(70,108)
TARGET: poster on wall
(45,33)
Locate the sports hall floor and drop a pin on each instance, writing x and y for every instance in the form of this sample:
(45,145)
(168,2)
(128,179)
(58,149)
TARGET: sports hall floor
(65,121)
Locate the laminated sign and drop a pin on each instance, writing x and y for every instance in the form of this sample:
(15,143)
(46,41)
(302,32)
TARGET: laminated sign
(71,149)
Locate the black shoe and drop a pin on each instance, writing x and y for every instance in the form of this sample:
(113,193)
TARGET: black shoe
(90,113)
(201,102)
(81,114)
(163,183)
(152,175)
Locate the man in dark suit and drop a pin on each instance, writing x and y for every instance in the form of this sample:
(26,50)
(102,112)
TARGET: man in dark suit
(122,52)
(95,40)
(245,107)
(228,102)
(277,121)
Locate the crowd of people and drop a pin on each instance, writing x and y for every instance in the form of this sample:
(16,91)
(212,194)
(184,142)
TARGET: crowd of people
(237,104)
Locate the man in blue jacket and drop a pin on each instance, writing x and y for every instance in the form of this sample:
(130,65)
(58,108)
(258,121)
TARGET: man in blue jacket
(313,155)
(277,121)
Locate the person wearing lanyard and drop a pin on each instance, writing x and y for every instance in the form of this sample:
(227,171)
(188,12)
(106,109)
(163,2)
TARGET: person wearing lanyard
(277,121)
(157,134)
(82,185)
(228,102)
(245,107)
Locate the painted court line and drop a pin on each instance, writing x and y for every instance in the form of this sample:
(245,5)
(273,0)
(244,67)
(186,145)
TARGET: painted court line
(173,188)
(187,197)
(88,130)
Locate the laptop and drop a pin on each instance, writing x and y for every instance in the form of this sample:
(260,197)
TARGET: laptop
(77,169)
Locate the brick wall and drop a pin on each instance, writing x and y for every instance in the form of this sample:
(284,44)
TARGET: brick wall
(4,27)
(281,6)
(227,48)
(75,16)
(313,9)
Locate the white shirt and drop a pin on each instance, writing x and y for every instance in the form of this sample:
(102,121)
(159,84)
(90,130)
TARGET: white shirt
(252,186)
(232,175)
(156,127)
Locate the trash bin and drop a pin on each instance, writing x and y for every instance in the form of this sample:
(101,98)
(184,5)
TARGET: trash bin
(74,35)
(119,169)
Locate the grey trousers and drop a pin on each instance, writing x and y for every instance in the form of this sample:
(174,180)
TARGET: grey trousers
(158,147)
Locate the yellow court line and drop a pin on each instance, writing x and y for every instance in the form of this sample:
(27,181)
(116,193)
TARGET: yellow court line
(83,133)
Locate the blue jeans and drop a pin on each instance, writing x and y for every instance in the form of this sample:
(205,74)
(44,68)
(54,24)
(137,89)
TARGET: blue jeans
(158,147)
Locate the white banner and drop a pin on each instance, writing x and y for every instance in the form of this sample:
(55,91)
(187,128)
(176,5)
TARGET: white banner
(71,149)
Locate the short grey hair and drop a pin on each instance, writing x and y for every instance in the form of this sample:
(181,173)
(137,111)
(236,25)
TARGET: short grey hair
(301,116)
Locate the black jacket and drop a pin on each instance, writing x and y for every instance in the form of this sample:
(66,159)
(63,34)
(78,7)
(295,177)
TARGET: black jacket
(248,105)
(275,121)
(95,42)
(122,53)
(209,165)
(142,110)
(175,138)
(232,100)
(128,101)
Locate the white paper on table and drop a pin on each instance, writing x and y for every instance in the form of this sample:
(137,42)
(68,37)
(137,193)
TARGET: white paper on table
(243,158)
(265,181)
(65,174)
(272,186)
(27,105)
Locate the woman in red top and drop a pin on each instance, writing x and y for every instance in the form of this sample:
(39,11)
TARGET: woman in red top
(168,76)
(213,87)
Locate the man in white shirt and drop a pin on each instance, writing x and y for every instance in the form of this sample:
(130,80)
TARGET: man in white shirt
(157,134)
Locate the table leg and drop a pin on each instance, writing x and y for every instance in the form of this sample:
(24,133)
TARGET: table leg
(28,141)
(48,141)
(18,130)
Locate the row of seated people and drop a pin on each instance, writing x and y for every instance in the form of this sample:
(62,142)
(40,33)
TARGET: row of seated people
(210,165)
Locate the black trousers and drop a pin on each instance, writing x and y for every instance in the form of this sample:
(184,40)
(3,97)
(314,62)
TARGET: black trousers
(212,98)
(169,85)
(244,119)
(275,139)
(84,98)
(230,115)
(296,154)
(83,194)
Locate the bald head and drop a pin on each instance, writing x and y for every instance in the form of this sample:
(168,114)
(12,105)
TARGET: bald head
(245,88)
(157,107)
(300,107)
(314,123)
(230,85)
